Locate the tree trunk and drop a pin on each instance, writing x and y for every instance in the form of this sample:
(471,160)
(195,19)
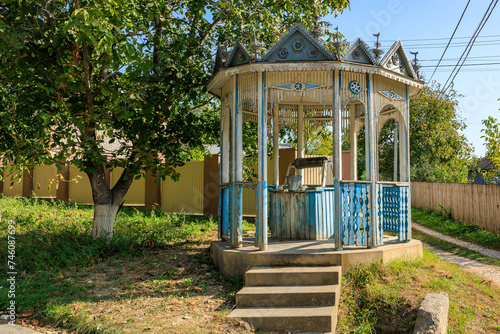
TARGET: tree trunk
(107,201)
(104,219)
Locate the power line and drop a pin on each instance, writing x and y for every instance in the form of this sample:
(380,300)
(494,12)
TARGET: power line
(480,64)
(435,39)
(455,59)
(452,45)
(454,31)
(469,46)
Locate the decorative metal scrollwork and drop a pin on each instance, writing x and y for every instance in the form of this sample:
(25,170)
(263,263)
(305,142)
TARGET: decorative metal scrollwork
(297,45)
(313,53)
(283,53)
(355,87)
(298,86)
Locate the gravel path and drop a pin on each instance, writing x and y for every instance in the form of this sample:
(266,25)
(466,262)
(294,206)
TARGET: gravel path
(464,244)
(490,272)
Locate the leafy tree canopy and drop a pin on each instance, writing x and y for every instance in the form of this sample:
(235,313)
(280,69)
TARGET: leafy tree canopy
(121,83)
(492,142)
(439,151)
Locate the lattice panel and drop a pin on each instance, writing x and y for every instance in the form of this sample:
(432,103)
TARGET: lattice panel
(393,210)
(356,216)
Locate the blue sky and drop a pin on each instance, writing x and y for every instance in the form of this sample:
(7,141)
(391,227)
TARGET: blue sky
(411,20)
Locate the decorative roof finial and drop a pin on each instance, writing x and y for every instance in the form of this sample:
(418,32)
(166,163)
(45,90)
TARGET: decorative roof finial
(377,51)
(225,52)
(338,44)
(256,46)
(317,32)
(414,63)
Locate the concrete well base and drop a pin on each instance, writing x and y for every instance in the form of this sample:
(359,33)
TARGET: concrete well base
(235,262)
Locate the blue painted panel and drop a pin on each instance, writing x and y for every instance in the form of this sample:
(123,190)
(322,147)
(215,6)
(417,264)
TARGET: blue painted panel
(356,222)
(393,210)
(225,211)
(302,215)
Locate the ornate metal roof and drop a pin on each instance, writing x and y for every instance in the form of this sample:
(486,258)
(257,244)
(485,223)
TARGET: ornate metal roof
(298,45)
(359,52)
(239,55)
(396,60)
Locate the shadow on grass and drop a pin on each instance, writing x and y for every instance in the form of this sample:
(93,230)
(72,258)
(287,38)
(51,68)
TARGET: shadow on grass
(59,265)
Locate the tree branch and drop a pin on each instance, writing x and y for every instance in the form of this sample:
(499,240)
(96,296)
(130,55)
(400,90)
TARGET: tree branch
(212,27)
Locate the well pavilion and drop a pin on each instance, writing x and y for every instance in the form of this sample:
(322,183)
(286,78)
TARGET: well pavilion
(299,83)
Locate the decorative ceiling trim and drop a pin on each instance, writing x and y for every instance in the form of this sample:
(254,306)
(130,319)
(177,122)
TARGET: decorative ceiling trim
(298,86)
(225,73)
(391,95)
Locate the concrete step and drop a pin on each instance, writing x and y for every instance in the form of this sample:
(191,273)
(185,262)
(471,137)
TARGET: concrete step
(293,276)
(303,319)
(286,296)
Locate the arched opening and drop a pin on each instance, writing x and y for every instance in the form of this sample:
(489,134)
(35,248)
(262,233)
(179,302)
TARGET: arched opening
(388,155)
(389,137)
(353,138)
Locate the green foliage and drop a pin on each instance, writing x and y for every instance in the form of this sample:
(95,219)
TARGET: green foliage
(492,142)
(382,298)
(386,151)
(147,62)
(122,83)
(438,148)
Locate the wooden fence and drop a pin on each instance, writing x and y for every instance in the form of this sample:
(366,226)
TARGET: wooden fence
(196,192)
(475,204)
(184,196)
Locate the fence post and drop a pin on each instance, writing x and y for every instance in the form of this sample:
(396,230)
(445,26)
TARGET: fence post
(152,188)
(28,183)
(62,192)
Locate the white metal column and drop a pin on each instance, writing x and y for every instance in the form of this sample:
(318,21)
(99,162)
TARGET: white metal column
(396,128)
(237,173)
(276,145)
(373,236)
(261,217)
(353,142)
(300,135)
(337,159)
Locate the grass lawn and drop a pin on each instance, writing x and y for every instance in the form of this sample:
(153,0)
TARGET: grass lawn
(441,222)
(166,282)
(140,283)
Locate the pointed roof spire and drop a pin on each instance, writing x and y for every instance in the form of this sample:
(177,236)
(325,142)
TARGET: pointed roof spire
(377,51)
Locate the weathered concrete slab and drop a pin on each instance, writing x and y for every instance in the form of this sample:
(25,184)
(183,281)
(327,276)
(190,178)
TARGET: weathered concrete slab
(292,276)
(283,296)
(6,328)
(432,316)
(235,262)
(305,319)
